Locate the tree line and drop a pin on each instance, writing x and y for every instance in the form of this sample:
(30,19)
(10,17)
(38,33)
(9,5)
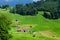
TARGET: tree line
(52,6)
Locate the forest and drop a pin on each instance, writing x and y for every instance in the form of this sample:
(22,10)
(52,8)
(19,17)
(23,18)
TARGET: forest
(52,6)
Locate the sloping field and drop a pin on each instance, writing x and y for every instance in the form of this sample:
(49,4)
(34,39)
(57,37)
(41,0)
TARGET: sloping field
(39,20)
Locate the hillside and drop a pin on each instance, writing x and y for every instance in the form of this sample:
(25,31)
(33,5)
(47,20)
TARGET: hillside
(44,29)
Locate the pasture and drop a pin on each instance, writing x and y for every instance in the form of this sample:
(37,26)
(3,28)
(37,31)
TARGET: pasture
(39,25)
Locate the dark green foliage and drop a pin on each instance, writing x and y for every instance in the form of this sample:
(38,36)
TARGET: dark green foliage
(52,15)
(46,15)
(13,10)
(52,6)
(4,27)
(4,6)
(24,10)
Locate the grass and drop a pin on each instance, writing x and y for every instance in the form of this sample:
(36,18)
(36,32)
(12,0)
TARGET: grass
(20,36)
(42,24)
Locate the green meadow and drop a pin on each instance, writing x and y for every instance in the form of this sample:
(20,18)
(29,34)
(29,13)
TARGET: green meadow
(41,24)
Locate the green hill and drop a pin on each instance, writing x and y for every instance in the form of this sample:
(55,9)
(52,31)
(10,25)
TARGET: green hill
(39,23)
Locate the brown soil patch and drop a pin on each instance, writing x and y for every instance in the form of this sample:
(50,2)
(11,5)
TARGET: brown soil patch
(49,34)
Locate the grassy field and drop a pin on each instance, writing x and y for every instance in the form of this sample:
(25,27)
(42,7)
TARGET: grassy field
(42,24)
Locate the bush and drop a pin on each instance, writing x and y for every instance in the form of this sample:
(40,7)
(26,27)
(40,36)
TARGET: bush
(4,27)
